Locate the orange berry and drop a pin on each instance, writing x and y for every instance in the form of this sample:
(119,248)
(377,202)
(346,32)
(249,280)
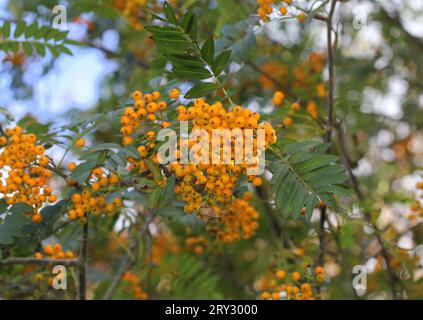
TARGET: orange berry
(257,181)
(280,274)
(37,218)
(137,95)
(301,17)
(174,93)
(80,143)
(39,150)
(48,249)
(295,106)
(71,166)
(265,295)
(287,122)
(319,270)
(275,296)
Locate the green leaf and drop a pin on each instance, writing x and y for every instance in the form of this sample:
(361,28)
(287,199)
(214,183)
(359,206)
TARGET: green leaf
(207,51)
(40,33)
(73,42)
(168,11)
(82,171)
(14,46)
(64,49)
(188,22)
(220,62)
(200,90)
(11,227)
(154,169)
(21,208)
(27,47)
(130,151)
(53,50)
(144,182)
(164,30)
(20,28)
(303,176)
(192,72)
(5,29)
(105,146)
(40,49)
(157,17)
(168,191)
(185,60)
(154,197)
(3,206)
(31,29)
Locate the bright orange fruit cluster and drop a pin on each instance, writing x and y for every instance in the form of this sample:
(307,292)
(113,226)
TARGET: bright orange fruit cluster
(135,282)
(93,198)
(54,251)
(26,174)
(282,286)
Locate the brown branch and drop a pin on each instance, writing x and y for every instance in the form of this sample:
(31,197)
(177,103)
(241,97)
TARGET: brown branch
(125,265)
(33,260)
(82,290)
(330,111)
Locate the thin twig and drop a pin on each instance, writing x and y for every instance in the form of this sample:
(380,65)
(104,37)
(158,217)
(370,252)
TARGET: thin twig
(83,263)
(126,262)
(330,111)
(33,260)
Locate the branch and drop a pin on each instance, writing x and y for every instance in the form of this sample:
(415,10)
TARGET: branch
(125,265)
(33,260)
(330,106)
(83,263)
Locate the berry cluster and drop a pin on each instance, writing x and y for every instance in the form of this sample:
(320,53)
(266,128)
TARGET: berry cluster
(134,281)
(163,243)
(278,98)
(27,176)
(196,244)
(239,221)
(281,286)
(132,9)
(416,207)
(208,185)
(202,185)
(265,9)
(93,199)
(54,251)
